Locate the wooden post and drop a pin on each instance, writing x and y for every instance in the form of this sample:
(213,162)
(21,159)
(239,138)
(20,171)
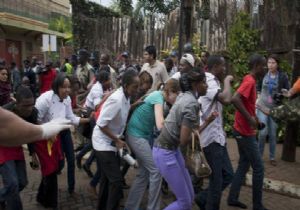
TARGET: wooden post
(180,43)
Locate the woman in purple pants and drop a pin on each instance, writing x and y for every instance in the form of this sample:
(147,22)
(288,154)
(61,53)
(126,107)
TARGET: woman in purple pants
(181,121)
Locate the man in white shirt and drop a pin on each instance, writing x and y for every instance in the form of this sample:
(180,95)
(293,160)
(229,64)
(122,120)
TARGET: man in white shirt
(157,69)
(213,137)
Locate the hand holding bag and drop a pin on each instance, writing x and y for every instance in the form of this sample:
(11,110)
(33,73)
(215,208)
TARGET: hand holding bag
(195,158)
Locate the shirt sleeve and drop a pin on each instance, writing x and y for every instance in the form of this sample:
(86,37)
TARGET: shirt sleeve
(69,113)
(109,111)
(212,90)
(97,94)
(164,73)
(246,87)
(42,105)
(155,98)
(190,116)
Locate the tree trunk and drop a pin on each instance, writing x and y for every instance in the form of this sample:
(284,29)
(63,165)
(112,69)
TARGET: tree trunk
(292,129)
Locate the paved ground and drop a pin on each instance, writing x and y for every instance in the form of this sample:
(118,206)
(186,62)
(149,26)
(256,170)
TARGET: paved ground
(284,171)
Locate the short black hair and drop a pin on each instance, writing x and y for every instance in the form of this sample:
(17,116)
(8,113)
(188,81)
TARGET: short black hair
(255,60)
(214,60)
(103,76)
(190,77)
(23,92)
(128,77)
(151,50)
(59,82)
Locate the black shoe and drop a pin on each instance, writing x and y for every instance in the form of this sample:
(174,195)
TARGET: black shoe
(237,204)
(88,171)
(78,162)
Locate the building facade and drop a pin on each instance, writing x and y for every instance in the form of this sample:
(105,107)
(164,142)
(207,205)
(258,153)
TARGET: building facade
(22,23)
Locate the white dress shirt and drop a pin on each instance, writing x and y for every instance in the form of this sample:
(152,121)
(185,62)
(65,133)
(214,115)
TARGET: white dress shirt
(176,76)
(51,107)
(214,131)
(114,114)
(95,96)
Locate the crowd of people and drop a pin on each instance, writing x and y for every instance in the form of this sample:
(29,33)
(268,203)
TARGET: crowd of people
(143,115)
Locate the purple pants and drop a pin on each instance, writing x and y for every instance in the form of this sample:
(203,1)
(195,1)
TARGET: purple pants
(171,165)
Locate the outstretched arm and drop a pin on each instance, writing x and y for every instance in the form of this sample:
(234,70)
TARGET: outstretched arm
(15,131)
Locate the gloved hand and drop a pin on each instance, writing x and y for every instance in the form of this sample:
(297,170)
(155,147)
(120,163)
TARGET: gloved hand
(53,127)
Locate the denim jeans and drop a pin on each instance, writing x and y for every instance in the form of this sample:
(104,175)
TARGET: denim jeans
(172,168)
(221,176)
(86,148)
(14,178)
(249,156)
(270,130)
(68,150)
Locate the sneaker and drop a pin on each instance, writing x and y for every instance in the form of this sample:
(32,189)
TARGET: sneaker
(88,171)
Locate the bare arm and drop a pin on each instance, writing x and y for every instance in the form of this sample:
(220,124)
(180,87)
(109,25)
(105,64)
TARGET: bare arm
(14,131)
(225,96)
(13,127)
(185,135)
(159,116)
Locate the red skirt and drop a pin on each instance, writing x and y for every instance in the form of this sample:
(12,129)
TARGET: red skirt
(49,163)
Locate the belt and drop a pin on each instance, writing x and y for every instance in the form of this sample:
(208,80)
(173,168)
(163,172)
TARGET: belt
(165,146)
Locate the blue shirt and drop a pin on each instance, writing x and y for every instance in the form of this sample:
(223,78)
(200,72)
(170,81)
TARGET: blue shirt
(142,121)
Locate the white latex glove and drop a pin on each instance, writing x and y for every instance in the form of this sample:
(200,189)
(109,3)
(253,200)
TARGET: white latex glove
(53,127)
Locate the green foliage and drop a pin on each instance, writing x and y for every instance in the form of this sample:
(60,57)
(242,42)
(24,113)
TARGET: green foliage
(62,24)
(126,7)
(243,41)
(159,6)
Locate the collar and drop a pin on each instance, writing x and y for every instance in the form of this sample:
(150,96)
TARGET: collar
(210,77)
(154,64)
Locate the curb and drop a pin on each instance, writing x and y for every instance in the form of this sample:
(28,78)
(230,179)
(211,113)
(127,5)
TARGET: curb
(280,187)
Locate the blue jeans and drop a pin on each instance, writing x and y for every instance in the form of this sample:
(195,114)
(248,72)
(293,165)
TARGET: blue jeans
(86,148)
(270,130)
(14,178)
(249,156)
(222,174)
(68,150)
(171,165)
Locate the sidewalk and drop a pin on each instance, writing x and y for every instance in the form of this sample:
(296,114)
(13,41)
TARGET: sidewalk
(283,178)
(284,171)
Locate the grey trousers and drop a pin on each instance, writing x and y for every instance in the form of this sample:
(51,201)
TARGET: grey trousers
(147,173)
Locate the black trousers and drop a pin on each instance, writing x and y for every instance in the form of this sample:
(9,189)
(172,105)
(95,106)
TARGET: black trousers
(48,191)
(110,187)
